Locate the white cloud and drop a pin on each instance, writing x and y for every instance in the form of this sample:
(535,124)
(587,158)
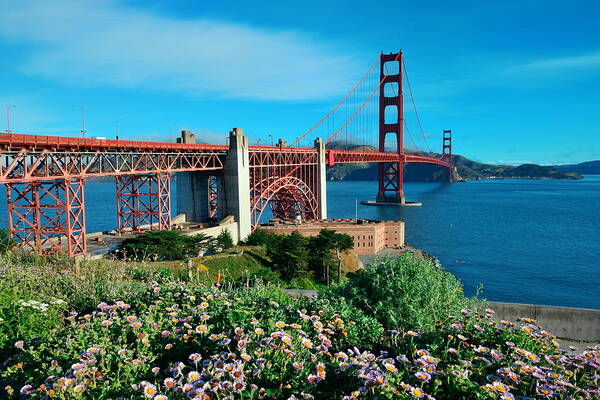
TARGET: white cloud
(589,60)
(106,43)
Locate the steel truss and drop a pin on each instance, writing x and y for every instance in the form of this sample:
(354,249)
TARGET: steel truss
(213,198)
(285,179)
(143,202)
(29,166)
(46,216)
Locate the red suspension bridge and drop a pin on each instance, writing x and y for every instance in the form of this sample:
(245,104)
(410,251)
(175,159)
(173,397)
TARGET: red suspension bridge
(45,175)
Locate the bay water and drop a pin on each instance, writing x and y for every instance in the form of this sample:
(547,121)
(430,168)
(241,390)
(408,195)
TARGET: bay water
(526,241)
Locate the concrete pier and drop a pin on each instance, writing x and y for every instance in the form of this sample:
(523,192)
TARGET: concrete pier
(233,186)
(236,180)
(192,188)
(322,195)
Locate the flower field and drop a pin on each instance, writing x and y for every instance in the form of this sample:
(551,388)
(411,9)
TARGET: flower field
(178,340)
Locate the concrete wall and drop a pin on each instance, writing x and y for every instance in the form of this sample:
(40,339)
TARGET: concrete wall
(322,195)
(236,183)
(579,324)
(228,223)
(192,195)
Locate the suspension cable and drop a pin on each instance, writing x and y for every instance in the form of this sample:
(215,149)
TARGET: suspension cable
(361,107)
(337,106)
(414,105)
(404,119)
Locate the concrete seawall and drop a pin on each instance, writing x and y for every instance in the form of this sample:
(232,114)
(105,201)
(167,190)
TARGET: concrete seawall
(577,324)
(581,324)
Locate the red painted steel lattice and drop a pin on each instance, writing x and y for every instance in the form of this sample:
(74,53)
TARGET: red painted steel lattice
(46,216)
(391,174)
(213,198)
(287,180)
(143,202)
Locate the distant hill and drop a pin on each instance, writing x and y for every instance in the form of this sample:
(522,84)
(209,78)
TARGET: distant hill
(466,169)
(588,167)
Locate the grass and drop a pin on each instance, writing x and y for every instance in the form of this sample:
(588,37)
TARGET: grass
(400,330)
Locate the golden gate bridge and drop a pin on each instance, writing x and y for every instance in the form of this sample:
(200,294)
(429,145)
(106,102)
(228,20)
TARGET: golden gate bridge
(45,175)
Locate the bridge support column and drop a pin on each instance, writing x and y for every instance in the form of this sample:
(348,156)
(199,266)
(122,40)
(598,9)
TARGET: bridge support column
(143,202)
(45,216)
(322,178)
(236,186)
(198,195)
(391,175)
(197,191)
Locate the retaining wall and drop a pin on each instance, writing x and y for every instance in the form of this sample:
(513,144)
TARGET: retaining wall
(581,324)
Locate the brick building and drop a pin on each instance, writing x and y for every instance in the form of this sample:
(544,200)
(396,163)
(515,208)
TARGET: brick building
(369,236)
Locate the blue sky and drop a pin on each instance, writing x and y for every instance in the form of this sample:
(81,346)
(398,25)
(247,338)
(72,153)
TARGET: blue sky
(515,81)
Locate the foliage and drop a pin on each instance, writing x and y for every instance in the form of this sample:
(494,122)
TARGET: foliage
(321,249)
(224,241)
(260,237)
(404,293)
(246,268)
(261,343)
(300,259)
(166,245)
(6,242)
(289,255)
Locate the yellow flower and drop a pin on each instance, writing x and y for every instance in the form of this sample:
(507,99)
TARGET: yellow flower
(201,267)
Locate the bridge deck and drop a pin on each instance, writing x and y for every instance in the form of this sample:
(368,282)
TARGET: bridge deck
(27,158)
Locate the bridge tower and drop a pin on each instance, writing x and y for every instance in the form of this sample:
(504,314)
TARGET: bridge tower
(391,120)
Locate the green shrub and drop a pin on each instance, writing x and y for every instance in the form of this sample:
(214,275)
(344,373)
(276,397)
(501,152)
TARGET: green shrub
(260,237)
(6,242)
(404,293)
(164,245)
(224,240)
(290,256)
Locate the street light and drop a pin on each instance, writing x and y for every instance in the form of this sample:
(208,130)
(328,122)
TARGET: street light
(82,118)
(8,118)
(271,140)
(117,129)
(258,142)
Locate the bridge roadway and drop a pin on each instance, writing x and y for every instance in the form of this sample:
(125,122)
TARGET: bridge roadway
(45,179)
(30,158)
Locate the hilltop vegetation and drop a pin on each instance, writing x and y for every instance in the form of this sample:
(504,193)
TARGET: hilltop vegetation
(588,167)
(466,169)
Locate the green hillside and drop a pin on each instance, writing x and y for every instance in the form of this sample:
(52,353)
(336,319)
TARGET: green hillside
(466,169)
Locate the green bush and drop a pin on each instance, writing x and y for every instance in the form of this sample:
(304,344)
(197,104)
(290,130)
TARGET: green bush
(6,242)
(290,256)
(164,246)
(260,237)
(404,293)
(224,240)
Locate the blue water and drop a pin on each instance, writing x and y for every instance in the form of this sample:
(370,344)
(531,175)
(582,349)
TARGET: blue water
(530,241)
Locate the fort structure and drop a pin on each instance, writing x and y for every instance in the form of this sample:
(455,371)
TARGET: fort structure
(369,236)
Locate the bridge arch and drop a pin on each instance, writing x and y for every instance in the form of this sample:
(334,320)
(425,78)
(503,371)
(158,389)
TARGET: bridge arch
(286,196)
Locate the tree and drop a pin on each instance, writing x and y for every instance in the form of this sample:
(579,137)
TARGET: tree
(321,247)
(224,240)
(260,237)
(164,245)
(289,254)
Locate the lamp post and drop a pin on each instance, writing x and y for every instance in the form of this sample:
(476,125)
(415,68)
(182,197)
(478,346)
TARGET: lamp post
(82,117)
(258,142)
(271,139)
(8,118)
(117,129)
